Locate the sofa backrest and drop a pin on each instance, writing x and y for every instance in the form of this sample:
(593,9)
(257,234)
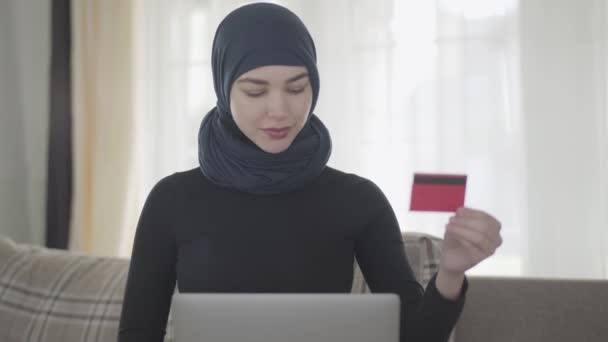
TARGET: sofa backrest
(502,309)
(54,295)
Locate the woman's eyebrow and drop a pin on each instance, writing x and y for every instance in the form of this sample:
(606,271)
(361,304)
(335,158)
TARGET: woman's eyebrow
(252,80)
(263,82)
(298,77)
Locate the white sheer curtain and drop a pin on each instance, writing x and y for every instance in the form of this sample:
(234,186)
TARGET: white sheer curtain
(563,63)
(24,86)
(406,86)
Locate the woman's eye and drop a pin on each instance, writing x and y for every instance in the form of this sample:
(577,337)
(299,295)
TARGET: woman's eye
(254,94)
(296,91)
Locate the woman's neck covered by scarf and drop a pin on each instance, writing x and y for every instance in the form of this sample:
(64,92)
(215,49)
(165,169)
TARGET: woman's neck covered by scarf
(250,37)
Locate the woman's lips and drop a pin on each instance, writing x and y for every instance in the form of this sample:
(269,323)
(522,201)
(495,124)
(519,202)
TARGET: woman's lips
(277,133)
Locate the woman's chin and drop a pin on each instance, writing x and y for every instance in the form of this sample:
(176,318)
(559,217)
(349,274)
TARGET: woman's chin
(274,147)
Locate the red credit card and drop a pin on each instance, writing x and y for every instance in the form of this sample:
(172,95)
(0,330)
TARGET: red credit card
(438,192)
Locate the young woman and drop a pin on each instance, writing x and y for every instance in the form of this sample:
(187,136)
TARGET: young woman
(264,213)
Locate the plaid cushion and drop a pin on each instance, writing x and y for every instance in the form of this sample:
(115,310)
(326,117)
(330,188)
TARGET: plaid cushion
(423,253)
(53,295)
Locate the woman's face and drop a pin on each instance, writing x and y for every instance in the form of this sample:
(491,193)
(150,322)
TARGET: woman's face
(270,105)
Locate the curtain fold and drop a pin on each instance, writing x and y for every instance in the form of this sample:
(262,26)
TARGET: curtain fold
(103,102)
(59,164)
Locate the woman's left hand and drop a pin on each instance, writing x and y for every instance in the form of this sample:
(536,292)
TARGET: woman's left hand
(470,237)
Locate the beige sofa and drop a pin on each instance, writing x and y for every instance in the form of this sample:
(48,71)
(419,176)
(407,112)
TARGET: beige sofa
(534,310)
(52,295)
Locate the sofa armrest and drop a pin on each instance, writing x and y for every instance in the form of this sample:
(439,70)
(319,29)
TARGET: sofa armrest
(501,309)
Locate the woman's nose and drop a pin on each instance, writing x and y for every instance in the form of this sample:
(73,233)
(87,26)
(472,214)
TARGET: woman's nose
(277,105)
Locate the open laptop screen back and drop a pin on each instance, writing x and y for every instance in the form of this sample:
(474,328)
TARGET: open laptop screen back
(286,317)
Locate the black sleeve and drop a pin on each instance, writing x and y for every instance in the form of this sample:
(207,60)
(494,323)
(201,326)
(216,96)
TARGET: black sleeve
(151,278)
(425,316)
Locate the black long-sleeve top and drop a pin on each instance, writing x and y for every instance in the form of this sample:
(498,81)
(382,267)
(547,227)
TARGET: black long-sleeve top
(214,239)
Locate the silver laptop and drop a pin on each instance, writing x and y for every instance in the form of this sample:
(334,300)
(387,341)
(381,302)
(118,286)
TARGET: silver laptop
(286,317)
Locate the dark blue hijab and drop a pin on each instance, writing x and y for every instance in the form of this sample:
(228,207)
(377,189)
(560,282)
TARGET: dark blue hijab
(253,36)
